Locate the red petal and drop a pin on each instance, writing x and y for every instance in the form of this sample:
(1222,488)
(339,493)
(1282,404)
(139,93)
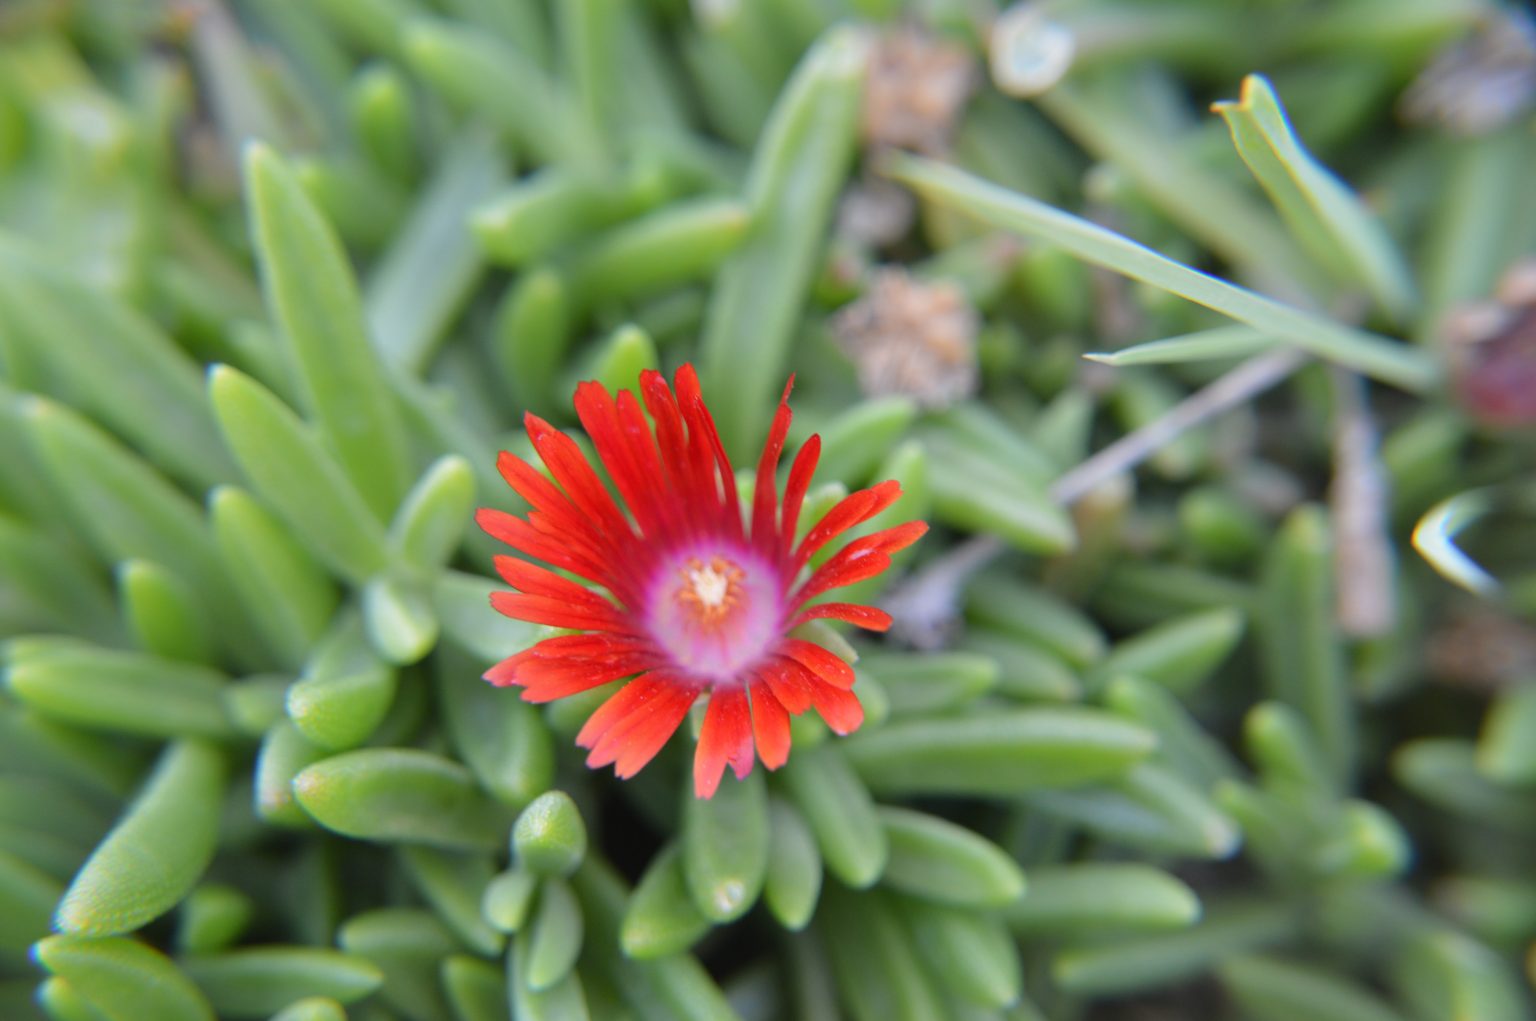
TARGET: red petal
(726,736)
(525,538)
(547,680)
(538,581)
(642,444)
(559,613)
(624,459)
(825,665)
(588,646)
(891,540)
(770,726)
(765,496)
(849,567)
(853,509)
(642,743)
(702,425)
(794,491)
(569,466)
(634,729)
(542,494)
(841,709)
(790,684)
(863,558)
(867,617)
(503,674)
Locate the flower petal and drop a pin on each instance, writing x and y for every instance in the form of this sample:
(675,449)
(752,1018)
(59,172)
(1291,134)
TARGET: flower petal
(726,736)
(525,538)
(827,666)
(628,466)
(538,581)
(770,725)
(868,617)
(641,744)
(559,613)
(794,491)
(547,680)
(765,496)
(840,708)
(702,425)
(863,558)
(569,466)
(853,509)
(789,682)
(637,720)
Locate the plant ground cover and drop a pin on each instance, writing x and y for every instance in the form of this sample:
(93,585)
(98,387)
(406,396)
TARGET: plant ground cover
(1201,335)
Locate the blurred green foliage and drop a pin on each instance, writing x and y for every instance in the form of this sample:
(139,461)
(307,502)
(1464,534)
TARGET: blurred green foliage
(277,280)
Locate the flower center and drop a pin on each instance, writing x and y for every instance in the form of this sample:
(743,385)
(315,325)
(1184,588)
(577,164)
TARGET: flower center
(710,591)
(715,611)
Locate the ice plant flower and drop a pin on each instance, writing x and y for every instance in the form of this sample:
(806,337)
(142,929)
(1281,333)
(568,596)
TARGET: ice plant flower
(685,595)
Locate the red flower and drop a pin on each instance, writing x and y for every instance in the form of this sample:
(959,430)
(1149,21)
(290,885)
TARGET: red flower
(687,599)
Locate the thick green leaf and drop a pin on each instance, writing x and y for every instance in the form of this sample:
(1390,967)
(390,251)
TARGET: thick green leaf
(1025,611)
(478,71)
(455,884)
(150,519)
(1179,654)
(840,812)
(1506,751)
(112,364)
(662,918)
(293,472)
(399,619)
(998,753)
(879,974)
(28,897)
(1151,809)
(212,918)
(553,937)
(675,988)
(508,899)
(57,583)
(254,982)
(162,614)
(793,881)
(941,861)
(400,795)
(476,989)
(123,692)
(549,838)
(408,946)
(430,523)
(287,595)
(660,251)
(1303,651)
(797,168)
(928,684)
(285,752)
(971,954)
(725,848)
(433,263)
(1102,896)
(1270,989)
(124,980)
(156,853)
(313,296)
(1165,959)
(499,736)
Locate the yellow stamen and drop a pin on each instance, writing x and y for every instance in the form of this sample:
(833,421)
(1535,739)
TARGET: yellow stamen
(710,590)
